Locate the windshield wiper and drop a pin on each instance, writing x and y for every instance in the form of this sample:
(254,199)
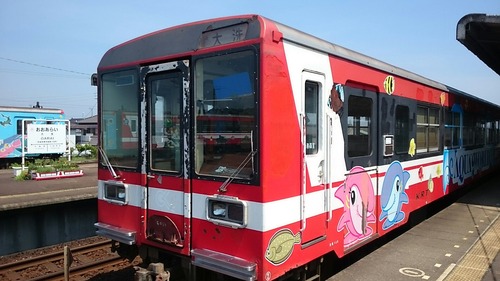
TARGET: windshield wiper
(223,187)
(107,163)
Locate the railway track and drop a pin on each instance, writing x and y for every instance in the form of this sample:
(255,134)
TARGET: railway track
(87,259)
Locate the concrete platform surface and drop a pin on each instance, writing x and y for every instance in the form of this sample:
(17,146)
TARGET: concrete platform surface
(29,193)
(460,242)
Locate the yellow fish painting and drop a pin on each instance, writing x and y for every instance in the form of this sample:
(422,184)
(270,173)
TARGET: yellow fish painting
(442,98)
(438,171)
(412,148)
(280,246)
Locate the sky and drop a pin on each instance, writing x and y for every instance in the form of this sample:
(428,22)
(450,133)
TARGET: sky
(49,49)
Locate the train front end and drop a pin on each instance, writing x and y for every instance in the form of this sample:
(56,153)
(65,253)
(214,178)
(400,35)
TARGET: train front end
(181,154)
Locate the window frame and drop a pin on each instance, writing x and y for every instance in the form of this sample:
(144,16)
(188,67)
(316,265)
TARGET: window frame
(315,104)
(171,133)
(252,140)
(427,125)
(110,115)
(357,122)
(400,143)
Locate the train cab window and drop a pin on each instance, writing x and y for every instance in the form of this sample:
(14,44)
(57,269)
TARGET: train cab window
(312,116)
(120,113)
(427,129)
(359,126)
(225,121)
(402,129)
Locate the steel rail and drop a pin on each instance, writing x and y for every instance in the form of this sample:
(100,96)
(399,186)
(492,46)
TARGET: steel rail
(17,267)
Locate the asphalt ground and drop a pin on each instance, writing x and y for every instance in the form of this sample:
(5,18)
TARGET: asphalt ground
(457,239)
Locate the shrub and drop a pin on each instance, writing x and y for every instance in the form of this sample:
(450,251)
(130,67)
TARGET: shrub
(86,147)
(64,165)
(24,175)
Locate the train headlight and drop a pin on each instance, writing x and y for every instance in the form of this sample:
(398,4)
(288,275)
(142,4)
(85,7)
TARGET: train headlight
(228,211)
(219,209)
(116,192)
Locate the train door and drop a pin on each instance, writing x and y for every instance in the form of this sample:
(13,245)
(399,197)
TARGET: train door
(314,171)
(168,216)
(360,129)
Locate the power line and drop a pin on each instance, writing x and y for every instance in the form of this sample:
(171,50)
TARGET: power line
(44,66)
(14,71)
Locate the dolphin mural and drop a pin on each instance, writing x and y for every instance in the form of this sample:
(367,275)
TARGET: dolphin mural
(393,195)
(359,204)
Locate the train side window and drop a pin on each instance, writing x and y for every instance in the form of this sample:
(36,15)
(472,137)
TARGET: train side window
(453,125)
(402,129)
(312,117)
(494,129)
(497,132)
(359,126)
(489,132)
(468,130)
(19,126)
(480,131)
(427,129)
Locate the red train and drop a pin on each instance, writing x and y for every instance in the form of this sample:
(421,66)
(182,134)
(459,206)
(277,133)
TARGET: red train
(241,147)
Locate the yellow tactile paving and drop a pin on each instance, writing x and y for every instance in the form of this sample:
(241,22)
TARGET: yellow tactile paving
(479,257)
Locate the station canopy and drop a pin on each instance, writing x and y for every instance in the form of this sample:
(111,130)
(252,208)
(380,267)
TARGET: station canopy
(480,33)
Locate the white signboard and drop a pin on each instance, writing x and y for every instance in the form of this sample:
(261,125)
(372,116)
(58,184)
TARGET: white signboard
(46,138)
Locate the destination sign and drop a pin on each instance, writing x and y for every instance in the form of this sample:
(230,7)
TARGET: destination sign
(225,35)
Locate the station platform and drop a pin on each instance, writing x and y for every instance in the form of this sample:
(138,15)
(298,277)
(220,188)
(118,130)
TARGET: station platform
(459,242)
(31,193)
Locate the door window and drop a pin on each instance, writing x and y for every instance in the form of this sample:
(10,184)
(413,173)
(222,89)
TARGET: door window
(165,92)
(312,117)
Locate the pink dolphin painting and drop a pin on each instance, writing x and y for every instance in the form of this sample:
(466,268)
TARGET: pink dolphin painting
(359,204)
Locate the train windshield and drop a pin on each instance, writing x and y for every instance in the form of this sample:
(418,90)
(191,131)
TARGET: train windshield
(120,117)
(225,113)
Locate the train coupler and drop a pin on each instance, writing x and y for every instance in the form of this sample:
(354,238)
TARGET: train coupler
(154,272)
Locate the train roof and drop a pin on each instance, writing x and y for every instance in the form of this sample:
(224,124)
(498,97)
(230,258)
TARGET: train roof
(152,46)
(296,36)
(301,38)
(134,51)
(30,109)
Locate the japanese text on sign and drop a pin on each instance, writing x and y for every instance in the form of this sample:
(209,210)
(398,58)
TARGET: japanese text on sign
(223,35)
(46,138)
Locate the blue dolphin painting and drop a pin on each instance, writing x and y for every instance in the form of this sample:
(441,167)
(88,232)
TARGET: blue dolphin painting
(393,195)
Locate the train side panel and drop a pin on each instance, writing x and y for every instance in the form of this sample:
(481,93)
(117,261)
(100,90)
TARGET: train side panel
(10,124)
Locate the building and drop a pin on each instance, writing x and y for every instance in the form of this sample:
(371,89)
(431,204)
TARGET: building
(84,130)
